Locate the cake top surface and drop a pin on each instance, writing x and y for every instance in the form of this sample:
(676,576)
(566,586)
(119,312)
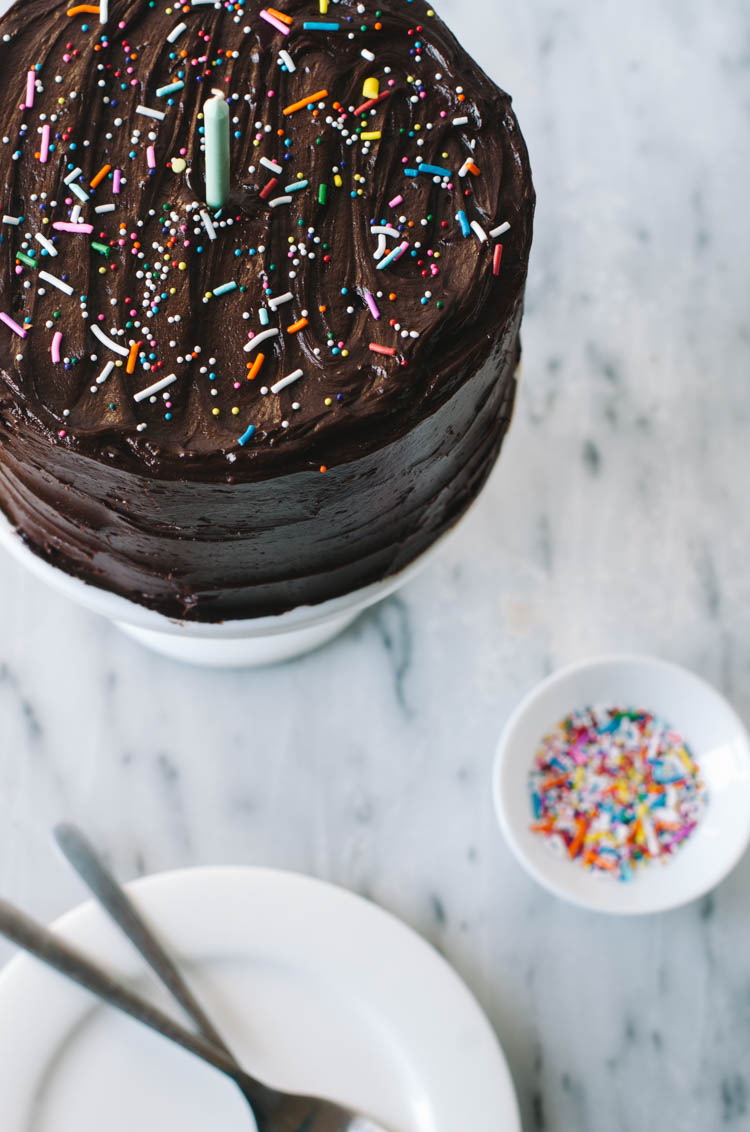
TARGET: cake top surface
(375,236)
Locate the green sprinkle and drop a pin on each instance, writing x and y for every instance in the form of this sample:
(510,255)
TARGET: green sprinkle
(26,259)
(103,249)
(322,194)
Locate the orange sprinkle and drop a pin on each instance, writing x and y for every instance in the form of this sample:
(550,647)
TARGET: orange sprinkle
(279,15)
(255,367)
(552,782)
(323,468)
(473,168)
(575,846)
(96,180)
(81,9)
(543,826)
(132,357)
(303,102)
(298,325)
(322,308)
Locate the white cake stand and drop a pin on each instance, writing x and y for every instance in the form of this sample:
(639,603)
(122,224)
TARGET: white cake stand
(226,644)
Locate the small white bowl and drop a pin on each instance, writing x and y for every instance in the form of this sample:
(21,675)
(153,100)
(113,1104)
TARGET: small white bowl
(223,644)
(714,734)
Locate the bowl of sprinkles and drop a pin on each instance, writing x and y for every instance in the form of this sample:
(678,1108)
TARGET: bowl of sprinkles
(622,784)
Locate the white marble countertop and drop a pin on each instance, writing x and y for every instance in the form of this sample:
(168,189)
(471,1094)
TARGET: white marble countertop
(616,519)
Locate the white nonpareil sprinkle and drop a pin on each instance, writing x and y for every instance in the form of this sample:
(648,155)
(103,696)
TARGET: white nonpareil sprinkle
(460,121)
(279,200)
(479,231)
(289,380)
(501,228)
(157,387)
(11,219)
(105,207)
(272,165)
(287,60)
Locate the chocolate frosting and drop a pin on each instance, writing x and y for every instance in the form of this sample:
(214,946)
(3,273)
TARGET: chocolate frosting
(206,499)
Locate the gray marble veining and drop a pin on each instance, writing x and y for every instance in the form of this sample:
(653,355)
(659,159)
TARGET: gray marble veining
(616,519)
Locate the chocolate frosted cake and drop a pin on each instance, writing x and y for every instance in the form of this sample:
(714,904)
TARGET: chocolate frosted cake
(227,412)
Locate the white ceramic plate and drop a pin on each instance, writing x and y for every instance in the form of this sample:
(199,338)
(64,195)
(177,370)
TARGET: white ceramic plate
(316,989)
(716,738)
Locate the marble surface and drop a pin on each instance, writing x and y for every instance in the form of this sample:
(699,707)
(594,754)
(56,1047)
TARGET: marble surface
(616,519)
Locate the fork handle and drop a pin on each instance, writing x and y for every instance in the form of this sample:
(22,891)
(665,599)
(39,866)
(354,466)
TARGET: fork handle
(53,951)
(114,899)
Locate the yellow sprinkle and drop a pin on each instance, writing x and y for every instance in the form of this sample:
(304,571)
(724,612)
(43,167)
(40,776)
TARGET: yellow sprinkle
(235,410)
(323,7)
(328,401)
(182,265)
(344,353)
(102,271)
(370,88)
(179,164)
(337,180)
(371,135)
(215,412)
(685,758)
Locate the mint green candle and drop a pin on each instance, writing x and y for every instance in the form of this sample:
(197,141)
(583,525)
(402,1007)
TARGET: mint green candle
(216,136)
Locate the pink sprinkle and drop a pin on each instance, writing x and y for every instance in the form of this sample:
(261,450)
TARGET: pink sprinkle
(55,347)
(30,87)
(395,201)
(116,181)
(12,324)
(264,15)
(66,226)
(372,305)
(44,150)
(402,248)
(151,157)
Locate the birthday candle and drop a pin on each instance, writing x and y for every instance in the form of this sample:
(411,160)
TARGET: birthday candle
(216,124)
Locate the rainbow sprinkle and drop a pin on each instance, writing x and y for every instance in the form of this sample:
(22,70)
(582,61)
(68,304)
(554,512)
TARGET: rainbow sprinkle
(615,789)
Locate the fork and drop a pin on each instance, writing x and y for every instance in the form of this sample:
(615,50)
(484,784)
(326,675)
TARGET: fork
(272,1109)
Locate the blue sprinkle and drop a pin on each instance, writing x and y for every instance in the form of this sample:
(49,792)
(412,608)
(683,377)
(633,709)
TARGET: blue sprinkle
(435,170)
(246,435)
